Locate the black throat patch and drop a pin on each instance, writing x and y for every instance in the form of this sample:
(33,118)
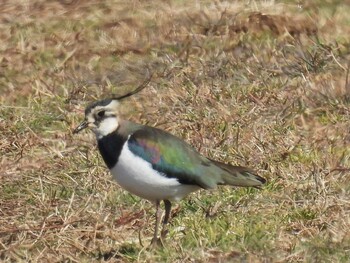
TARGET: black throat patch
(110,147)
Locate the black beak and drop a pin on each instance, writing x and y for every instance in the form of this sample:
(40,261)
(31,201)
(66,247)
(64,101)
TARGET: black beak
(81,127)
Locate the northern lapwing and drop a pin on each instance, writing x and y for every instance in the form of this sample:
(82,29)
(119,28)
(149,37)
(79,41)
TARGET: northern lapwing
(154,164)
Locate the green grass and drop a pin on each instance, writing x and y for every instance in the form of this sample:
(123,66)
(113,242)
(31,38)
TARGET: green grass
(229,80)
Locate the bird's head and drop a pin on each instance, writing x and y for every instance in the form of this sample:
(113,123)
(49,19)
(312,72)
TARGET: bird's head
(102,116)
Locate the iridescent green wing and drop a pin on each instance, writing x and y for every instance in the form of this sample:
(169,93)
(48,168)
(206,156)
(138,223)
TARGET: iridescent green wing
(173,157)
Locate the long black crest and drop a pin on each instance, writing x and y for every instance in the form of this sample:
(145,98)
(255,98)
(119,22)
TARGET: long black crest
(138,89)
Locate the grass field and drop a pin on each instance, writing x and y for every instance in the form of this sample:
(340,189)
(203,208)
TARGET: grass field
(263,84)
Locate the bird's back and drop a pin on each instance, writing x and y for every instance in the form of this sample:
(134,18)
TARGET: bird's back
(175,158)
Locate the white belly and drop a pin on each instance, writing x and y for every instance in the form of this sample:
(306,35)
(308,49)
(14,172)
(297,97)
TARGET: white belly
(138,177)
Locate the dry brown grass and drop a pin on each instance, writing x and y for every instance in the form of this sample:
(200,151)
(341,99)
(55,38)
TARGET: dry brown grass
(263,84)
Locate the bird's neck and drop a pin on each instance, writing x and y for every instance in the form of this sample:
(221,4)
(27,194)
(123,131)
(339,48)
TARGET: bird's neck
(111,144)
(110,147)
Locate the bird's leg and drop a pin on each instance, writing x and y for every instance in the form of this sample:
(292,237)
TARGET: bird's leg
(155,240)
(164,232)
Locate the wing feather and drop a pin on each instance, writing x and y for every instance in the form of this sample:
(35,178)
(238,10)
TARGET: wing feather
(174,157)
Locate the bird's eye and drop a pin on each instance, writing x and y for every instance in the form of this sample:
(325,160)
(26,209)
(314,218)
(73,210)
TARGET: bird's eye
(101,113)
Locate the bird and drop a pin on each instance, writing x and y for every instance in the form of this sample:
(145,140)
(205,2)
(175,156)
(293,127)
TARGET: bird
(154,164)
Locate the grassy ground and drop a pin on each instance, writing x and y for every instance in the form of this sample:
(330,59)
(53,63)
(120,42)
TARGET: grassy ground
(263,84)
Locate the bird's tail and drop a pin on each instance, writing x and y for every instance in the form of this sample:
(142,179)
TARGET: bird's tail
(240,176)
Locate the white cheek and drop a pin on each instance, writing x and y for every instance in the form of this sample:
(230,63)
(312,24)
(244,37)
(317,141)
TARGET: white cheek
(107,126)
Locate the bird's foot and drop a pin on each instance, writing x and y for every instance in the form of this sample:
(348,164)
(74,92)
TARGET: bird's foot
(156,243)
